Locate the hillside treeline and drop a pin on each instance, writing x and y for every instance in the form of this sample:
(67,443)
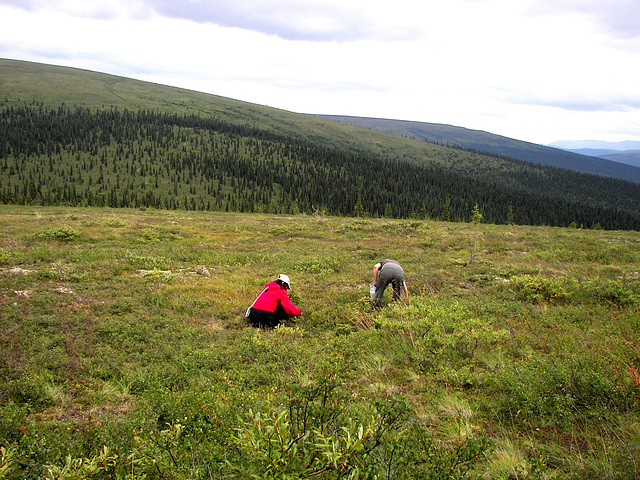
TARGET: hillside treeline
(78,157)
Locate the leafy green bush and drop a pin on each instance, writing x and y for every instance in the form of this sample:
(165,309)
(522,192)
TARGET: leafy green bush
(324,434)
(13,418)
(31,389)
(318,267)
(6,460)
(63,233)
(614,292)
(273,451)
(438,329)
(114,222)
(150,235)
(82,468)
(537,289)
(546,390)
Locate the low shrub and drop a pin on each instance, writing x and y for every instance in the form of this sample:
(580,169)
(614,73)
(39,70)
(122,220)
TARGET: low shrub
(32,390)
(13,420)
(324,434)
(63,233)
(615,292)
(547,390)
(6,461)
(81,468)
(538,289)
(438,330)
(317,267)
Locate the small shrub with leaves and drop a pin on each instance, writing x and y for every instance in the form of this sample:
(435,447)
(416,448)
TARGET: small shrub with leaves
(7,455)
(324,434)
(537,289)
(438,329)
(544,390)
(63,233)
(82,468)
(614,292)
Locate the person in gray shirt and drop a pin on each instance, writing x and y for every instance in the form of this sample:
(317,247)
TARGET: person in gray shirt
(389,272)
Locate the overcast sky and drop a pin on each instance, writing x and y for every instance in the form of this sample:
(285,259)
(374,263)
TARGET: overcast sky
(534,70)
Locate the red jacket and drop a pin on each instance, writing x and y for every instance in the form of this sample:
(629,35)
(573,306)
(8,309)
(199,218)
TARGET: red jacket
(275,294)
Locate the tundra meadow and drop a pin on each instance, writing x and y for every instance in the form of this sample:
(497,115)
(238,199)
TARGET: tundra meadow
(125,352)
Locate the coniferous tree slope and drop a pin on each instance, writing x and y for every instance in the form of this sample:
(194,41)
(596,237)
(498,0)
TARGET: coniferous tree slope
(496,144)
(69,136)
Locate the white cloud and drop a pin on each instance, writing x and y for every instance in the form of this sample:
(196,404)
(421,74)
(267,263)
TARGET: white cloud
(535,70)
(620,18)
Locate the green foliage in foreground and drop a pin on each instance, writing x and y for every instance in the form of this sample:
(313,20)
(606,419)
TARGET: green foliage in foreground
(124,352)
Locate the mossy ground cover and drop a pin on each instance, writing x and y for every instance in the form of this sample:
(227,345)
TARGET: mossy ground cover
(124,329)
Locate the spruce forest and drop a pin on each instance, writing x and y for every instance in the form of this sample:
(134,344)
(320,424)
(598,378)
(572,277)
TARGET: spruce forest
(122,158)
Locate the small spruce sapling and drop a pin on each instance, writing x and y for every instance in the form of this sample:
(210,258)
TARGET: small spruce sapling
(476,218)
(359,208)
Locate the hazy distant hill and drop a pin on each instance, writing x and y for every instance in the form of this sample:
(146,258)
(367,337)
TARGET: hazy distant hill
(627,152)
(574,145)
(75,137)
(629,157)
(488,142)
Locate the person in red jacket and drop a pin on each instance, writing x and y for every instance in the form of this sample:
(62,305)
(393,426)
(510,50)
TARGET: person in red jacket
(273,304)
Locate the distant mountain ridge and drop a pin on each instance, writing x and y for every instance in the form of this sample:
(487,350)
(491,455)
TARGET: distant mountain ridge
(495,144)
(574,145)
(623,152)
(76,137)
(630,158)
(601,152)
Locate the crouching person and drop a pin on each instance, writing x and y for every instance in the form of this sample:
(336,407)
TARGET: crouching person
(389,272)
(273,304)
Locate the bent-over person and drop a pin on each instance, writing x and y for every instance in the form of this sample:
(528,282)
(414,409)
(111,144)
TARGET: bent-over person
(389,272)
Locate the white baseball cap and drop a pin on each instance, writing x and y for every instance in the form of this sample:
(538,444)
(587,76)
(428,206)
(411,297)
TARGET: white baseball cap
(285,279)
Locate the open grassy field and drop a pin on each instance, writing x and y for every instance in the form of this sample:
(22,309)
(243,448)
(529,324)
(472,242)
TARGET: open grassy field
(124,352)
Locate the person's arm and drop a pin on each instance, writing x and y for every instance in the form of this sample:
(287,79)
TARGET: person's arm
(288,306)
(406,291)
(376,269)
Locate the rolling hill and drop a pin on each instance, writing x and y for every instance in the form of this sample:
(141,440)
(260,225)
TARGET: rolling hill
(70,136)
(622,152)
(577,145)
(630,157)
(488,142)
